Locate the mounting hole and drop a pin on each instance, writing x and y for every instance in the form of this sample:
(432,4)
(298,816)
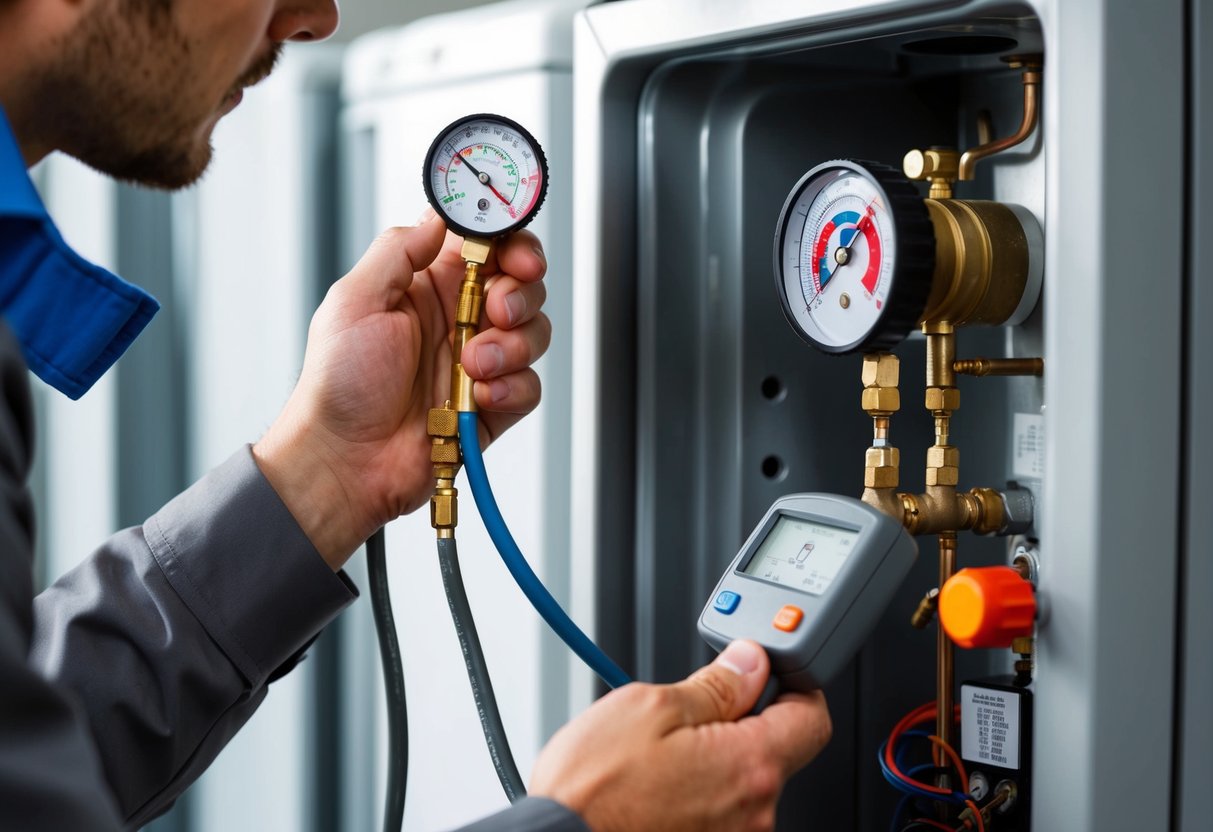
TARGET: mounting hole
(773,468)
(773,389)
(962,45)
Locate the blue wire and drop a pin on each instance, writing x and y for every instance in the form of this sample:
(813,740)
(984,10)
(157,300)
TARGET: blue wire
(528,582)
(909,788)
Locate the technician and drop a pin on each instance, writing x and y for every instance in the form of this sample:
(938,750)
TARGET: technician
(120,683)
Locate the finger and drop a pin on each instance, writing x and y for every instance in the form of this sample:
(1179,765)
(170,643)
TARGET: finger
(497,352)
(727,688)
(516,394)
(521,255)
(510,302)
(795,728)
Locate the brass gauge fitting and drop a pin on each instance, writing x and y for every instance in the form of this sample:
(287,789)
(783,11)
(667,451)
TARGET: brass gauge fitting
(467,317)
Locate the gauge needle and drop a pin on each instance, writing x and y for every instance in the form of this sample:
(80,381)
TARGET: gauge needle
(483,177)
(842,255)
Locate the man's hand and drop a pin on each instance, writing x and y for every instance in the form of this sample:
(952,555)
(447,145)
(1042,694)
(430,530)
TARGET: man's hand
(684,756)
(350,450)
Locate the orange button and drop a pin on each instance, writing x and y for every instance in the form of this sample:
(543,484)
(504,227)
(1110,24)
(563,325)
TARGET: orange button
(788,618)
(987,607)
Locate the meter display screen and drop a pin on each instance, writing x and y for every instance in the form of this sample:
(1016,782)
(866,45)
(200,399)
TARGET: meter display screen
(802,554)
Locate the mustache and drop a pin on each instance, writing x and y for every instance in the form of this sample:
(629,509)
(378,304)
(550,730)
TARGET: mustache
(260,69)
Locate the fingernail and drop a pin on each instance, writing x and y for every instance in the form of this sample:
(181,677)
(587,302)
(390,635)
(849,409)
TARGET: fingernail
(489,360)
(741,657)
(515,306)
(538,249)
(428,214)
(498,390)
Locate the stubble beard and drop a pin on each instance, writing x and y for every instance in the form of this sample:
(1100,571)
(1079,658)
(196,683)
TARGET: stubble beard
(116,97)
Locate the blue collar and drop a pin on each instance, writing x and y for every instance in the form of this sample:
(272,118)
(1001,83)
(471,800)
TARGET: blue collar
(73,319)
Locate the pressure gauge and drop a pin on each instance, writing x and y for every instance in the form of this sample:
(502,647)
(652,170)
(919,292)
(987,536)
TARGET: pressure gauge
(854,255)
(486,175)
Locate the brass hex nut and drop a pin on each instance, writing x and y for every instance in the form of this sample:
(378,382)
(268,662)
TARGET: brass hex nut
(943,456)
(947,475)
(444,512)
(881,369)
(943,398)
(886,457)
(1022,645)
(881,399)
(880,476)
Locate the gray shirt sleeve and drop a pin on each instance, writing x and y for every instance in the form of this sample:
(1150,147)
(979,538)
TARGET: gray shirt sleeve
(169,633)
(531,814)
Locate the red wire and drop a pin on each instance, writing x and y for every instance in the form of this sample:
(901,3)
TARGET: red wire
(922,713)
(935,823)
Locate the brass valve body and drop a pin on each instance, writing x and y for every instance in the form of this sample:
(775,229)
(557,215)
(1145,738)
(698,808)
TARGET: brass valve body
(981,262)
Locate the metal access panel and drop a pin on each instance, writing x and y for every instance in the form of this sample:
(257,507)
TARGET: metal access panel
(695,406)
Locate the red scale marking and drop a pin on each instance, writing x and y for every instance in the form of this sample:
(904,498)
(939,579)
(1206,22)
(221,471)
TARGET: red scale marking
(872,275)
(819,252)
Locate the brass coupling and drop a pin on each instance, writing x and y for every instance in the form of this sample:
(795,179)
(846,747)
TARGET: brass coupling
(443,427)
(475,253)
(881,399)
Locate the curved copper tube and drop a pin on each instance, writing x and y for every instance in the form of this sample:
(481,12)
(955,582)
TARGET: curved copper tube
(1031,101)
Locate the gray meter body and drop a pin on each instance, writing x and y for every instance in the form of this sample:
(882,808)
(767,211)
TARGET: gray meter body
(809,584)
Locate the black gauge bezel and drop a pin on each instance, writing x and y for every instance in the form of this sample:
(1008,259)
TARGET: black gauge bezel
(436,204)
(913,256)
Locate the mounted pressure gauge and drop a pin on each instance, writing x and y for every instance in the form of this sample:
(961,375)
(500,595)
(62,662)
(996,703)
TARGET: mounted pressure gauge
(854,255)
(486,175)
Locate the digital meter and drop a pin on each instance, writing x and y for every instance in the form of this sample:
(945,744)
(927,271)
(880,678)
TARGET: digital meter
(809,585)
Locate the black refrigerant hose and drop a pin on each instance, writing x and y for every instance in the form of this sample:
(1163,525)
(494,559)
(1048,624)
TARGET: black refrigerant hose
(393,682)
(478,673)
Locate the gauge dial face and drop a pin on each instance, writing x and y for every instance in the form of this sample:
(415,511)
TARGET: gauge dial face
(835,256)
(486,175)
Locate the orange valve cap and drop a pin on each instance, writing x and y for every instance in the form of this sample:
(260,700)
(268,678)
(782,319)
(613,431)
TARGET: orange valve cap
(987,606)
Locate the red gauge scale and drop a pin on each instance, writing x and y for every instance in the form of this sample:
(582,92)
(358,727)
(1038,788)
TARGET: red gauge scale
(854,253)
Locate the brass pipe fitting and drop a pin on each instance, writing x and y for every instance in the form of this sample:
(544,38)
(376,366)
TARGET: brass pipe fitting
(1031,65)
(940,166)
(467,318)
(999,367)
(882,462)
(925,612)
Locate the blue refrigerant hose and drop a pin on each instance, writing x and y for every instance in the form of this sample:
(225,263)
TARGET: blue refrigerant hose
(527,580)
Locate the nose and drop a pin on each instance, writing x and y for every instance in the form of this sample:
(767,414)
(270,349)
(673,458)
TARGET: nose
(304,20)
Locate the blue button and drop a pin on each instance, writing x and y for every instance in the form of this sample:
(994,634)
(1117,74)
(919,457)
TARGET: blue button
(727,601)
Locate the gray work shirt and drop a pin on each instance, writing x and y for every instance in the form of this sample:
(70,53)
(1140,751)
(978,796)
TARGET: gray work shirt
(122,682)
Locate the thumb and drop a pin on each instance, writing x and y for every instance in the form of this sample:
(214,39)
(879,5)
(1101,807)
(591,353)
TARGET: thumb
(388,266)
(728,687)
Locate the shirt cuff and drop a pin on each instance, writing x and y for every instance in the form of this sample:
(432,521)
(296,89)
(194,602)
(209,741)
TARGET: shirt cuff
(236,557)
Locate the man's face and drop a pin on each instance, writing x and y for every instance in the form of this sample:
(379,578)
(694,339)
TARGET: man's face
(138,86)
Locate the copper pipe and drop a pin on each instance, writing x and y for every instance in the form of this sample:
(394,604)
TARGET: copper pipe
(944,658)
(1031,106)
(999,366)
